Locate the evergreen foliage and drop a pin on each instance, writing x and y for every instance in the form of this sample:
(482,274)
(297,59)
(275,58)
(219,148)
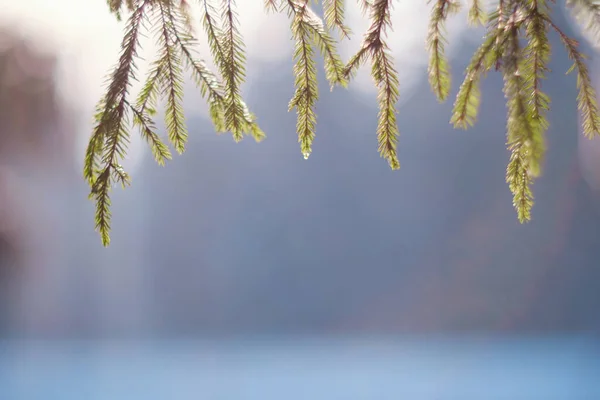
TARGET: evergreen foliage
(515,45)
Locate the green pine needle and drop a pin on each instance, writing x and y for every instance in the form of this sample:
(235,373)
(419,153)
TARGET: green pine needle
(305,72)
(466,105)
(308,30)
(515,44)
(334,16)
(586,99)
(384,74)
(477,15)
(108,144)
(438,69)
(172,80)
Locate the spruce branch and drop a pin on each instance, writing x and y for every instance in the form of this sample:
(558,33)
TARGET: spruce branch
(511,24)
(586,99)
(227,49)
(305,73)
(210,86)
(497,20)
(519,181)
(172,80)
(477,16)
(109,140)
(438,69)
(148,96)
(309,30)
(334,16)
(466,105)
(384,74)
(536,58)
(524,141)
(232,69)
(319,36)
(147,128)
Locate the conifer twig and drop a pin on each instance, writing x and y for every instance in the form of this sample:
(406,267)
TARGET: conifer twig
(515,44)
(109,140)
(438,69)
(587,98)
(308,30)
(375,48)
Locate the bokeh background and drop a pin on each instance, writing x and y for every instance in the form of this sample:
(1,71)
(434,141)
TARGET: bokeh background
(242,271)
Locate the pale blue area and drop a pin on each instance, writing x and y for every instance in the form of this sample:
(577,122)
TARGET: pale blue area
(377,368)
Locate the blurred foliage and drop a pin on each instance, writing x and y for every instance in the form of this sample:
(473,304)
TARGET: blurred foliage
(515,45)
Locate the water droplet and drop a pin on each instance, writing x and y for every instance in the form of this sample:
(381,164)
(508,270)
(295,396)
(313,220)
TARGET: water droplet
(306,155)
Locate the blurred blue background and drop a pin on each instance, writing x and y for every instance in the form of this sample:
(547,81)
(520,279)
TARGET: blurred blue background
(242,271)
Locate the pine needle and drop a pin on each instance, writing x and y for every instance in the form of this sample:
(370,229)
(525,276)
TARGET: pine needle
(108,144)
(477,15)
(305,73)
(438,69)
(334,16)
(515,44)
(308,30)
(384,74)
(586,99)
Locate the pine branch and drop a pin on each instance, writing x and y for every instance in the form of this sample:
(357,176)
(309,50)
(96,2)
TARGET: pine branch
(109,140)
(213,32)
(172,81)
(210,86)
(305,73)
(146,101)
(385,76)
(438,69)
(356,61)
(214,35)
(466,105)
(586,99)
(334,67)
(147,128)
(509,24)
(100,193)
(519,181)
(497,20)
(537,56)
(308,30)
(523,140)
(488,55)
(334,16)
(477,16)
(232,69)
